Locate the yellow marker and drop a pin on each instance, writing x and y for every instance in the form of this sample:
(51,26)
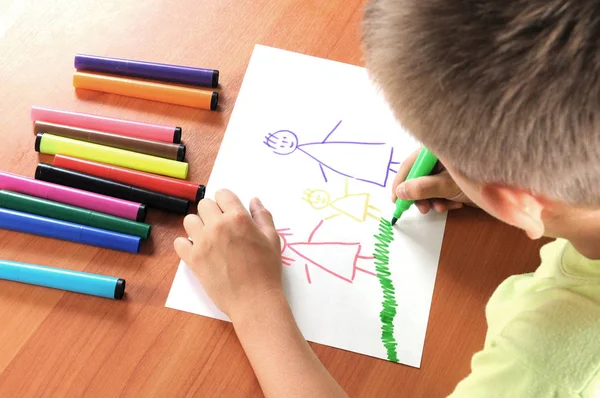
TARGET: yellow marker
(55,145)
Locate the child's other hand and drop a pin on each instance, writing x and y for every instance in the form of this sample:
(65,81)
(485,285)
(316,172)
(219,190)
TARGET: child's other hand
(235,254)
(437,191)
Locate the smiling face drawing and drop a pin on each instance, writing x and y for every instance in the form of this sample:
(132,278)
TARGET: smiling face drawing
(282,142)
(317,199)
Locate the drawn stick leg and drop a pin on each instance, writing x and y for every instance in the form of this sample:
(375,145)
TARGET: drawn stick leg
(361,257)
(307,274)
(323,172)
(365,271)
(312,234)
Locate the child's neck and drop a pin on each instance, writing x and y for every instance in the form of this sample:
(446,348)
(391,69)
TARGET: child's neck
(588,248)
(582,229)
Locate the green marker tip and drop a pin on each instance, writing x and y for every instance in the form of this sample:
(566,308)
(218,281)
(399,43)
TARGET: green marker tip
(394,219)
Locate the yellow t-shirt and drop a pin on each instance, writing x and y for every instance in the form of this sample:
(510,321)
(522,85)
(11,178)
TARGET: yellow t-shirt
(543,335)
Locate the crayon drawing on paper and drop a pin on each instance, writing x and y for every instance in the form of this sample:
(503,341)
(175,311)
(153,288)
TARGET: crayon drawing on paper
(322,157)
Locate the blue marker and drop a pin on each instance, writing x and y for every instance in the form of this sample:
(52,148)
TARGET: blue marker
(56,278)
(44,226)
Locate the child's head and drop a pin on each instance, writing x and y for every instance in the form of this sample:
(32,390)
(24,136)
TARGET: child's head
(505,92)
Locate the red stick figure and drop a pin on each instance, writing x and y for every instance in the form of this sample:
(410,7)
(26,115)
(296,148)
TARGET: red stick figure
(346,254)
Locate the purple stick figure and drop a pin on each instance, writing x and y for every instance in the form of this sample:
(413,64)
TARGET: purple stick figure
(369,162)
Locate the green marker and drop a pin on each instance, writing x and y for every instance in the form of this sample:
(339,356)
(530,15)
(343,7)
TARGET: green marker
(422,167)
(60,211)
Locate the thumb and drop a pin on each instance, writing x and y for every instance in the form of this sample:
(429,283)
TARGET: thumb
(183,248)
(263,219)
(403,171)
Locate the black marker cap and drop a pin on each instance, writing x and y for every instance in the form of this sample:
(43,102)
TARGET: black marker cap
(181,153)
(215,79)
(157,200)
(38,141)
(39,172)
(120,289)
(177,135)
(142,212)
(214,101)
(200,193)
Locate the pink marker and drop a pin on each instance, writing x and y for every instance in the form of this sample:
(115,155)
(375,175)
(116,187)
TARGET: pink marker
(74,197)
(129,128)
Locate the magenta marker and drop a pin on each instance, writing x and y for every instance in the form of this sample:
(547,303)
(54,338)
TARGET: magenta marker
(155,132)
(71,196)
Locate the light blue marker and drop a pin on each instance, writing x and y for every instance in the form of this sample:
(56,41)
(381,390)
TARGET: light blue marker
(57,278)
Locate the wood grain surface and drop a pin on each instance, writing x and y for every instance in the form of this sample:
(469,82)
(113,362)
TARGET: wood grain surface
(56,344)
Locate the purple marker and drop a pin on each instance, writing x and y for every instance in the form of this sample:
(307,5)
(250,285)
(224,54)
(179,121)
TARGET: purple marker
(148,70)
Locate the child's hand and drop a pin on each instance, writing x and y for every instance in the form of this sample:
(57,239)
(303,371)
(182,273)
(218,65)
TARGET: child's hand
(437,191)
(235,254)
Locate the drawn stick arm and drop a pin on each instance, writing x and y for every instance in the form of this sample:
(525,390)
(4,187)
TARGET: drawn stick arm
(332,131)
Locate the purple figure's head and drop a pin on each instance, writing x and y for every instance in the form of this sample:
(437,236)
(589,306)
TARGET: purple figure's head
(282,142)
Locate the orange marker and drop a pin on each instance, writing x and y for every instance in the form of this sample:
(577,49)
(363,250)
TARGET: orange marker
(137,88)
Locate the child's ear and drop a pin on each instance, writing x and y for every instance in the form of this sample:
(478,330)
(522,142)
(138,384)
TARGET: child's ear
(515,207)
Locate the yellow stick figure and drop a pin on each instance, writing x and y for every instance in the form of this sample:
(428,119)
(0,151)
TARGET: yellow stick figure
(355,205)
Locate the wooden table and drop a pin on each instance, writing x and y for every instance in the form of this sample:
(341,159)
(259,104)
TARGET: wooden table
(56,344)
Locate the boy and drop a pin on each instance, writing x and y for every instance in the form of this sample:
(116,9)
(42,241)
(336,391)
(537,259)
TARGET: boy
(507,94)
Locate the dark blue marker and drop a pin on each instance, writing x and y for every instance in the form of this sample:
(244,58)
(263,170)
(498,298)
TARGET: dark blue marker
(43,226)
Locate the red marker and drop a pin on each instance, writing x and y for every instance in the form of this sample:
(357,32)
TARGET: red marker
(170,186)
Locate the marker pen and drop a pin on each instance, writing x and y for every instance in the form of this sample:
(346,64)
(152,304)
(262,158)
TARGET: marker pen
(129,128)
(78,215)
(54,145)
(75,197)
(148,70)
(423,166)
(75,179)
(170,186)
(57,278)
(148,90)
(57,229)
(154,148)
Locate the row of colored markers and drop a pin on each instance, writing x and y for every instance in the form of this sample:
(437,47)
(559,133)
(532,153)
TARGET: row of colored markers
(105,173)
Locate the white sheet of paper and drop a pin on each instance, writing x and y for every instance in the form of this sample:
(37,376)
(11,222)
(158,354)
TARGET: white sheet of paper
(315,141)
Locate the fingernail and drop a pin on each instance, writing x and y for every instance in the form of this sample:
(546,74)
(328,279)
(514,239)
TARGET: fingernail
(401,191)
(258,202)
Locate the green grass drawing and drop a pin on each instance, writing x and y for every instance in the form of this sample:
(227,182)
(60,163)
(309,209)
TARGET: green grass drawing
(384,237)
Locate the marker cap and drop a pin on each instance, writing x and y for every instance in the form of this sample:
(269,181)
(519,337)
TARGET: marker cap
(119,289)
(201,193)
(38,141)
(215,79)
(177,135)
(214,101)
(181,153)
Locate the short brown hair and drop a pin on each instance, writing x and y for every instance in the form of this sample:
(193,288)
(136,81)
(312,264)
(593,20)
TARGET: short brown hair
(507,90)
